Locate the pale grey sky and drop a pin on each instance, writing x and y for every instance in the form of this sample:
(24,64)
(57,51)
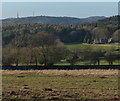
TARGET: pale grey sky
(71,9)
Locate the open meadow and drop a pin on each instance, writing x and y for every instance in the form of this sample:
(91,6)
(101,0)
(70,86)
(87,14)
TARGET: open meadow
(95,47)
(60,84)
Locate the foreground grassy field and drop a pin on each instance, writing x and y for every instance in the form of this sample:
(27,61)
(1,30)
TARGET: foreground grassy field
(60,84)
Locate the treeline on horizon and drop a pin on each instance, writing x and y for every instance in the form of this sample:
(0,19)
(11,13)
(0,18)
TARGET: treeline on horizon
(102,31)
(33,43)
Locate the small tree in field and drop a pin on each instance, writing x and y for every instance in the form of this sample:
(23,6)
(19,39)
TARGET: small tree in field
(15,47)
(73,56)
(25,56)
(11,56)
(73,60)
(7,57)
(93,56)
(97,55)
(111,57)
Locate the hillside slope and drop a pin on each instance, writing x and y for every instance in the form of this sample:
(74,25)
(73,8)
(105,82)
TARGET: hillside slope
(51,20)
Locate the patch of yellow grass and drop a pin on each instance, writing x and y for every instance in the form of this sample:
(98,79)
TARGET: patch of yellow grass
(63,72)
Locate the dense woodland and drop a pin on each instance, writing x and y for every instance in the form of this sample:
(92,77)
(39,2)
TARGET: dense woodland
(35,43)
(102,31)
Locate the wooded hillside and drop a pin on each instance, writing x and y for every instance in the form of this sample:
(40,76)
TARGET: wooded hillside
(101,31)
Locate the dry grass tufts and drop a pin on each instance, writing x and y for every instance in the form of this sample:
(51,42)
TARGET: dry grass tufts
(63,72)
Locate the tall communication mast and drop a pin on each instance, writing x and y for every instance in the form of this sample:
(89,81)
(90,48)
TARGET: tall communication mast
(33,13)
(17,15)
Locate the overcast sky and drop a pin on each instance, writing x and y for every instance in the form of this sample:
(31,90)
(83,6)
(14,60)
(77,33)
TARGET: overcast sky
(71,9)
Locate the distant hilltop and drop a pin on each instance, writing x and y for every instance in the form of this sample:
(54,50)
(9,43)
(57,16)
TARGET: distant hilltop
(51,20)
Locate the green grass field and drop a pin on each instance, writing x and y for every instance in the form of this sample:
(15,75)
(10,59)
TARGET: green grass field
(105,47)
(102,62)
(60,84)
(94,46)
